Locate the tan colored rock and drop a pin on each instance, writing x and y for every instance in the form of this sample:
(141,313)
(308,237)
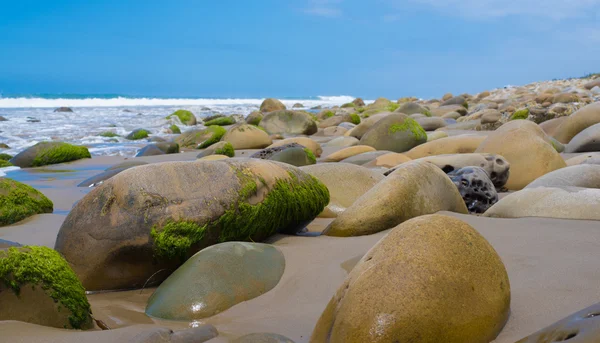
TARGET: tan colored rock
(414,189)
(582,158)
(582,175)
(388,160)
(366,124)
(461,144)
(432,279)
(490,116)
(452,115)
(440,111)
(431,136)
(289,122)
(342,142)
(550,126)
(305,141)
(431,123)
(213,158)
(346,183)
(565,98)
(270,105)
(577,122)
(396,132)
(447,96)
(334,131)
(246,136)
(348,152)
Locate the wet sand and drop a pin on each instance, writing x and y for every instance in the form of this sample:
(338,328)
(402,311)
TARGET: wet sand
(551,265)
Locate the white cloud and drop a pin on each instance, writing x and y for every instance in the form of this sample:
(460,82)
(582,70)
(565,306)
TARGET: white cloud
(553,9)
(324,8)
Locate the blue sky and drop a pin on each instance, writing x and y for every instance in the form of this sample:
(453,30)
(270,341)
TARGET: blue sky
(280,48)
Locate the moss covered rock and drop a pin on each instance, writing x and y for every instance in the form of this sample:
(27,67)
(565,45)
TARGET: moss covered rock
(366,124)
(200,138)
(5,163)
(222,121)
(175,129)
(220,148)
(431,279)
(5,157)
(215,279)
(396,132)
(254,118)
(138,134)
(46,153)
(158,215)
(520,114)
(108,134)
(19,201)
(304,141)
(297,156)
(38,286)
(270,105)
(162,148)
(246,136)
(185,117)
(289,122)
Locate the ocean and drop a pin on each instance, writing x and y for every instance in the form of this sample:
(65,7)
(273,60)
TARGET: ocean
(31,119)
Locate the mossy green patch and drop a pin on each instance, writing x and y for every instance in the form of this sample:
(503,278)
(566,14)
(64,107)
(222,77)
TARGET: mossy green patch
(354,119)
(222,121)
(5,157)
(393,106)
(175,129)
(138,134)
(19,201)
(217,133)
(54,153)
(175,239)
(44,267)
(226,150)
(108,134)
(361,109)
(186,117)
(349,105)
(411,125)
(328,114)
(427,113)
(5,163)
(311,157)
(520,114)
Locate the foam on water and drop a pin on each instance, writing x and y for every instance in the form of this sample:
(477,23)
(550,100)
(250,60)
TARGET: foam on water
(32,119)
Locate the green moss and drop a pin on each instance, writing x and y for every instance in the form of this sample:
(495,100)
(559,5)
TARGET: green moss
(222,121)
(108,134)
(328,114)
(466,105)
(349,105)
(138,134)
(290,202)
(393,106)
(175,129)
(226,150)
(310,155)
(217,133)
(361,109)
(354,119)
(427,113)
(411,125)
(5,157)
(520,114)
(186,117)
(42,266)
(54,153)
(19,201)
(4,163)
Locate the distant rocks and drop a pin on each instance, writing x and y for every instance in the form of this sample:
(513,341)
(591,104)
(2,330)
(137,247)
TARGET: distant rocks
(2,118)
(46,153)
(271,105)
(304,141)
(63,109)
(138,134)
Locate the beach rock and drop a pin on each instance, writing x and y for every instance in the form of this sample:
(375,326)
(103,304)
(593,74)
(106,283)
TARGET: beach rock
(490,116)
(289,122)
(63,109)
(365,157)
(414,189)
(297,105)
(346,183)
(334,131)
(549,202)
(347,126)
(358,102)
(222,121)
(409,108)
(254,118)
(580,327)
(586,140)
(431,123)
(582,175)
(457,100)
(550,126)
(200,139)
(185,117)
(366,124)
(443,110)
(246,136)
(138,134)
(215,279)
(528,150)
(174,129)
(38,286)
(342,142)
(396,132)
(213,117)
(220,148)
(158,149)
(388,160)
(451,115)
(213,158)
(577,122)
(580,159)
(2,118)
(347,152)
(331,121)
(262,338)
(431,279)
(46,153)
(271,105)
(462,144)
(292,153)
(431,136)
(594,83)
(475,187)
(565,98)
(155,216)
(97,180)
(304,141)
(4,146)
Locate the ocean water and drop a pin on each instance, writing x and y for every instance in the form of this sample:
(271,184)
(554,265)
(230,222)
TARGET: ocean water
(31,119)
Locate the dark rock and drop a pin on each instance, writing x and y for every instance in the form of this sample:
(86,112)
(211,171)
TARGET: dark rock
(33,120)
(475,187)
(138,134)
(46,153)
(158,149)
(97,180)
(63,109)
(267,153)
(3,119)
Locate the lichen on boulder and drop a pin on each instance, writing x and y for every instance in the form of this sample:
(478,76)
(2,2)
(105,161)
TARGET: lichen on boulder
(46,153)
(186,117)
(19,201)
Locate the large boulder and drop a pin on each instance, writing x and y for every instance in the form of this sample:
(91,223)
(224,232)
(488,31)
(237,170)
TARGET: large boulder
(270,105)
(528,150)
(158,149)
(138,134)
(577,122)
(156,216)
(304,141)
(582,175)
(462,144)
(46,153)
(414,189)
(346,183)
(431,123)
(200,139)
(431,279)
(38,286)
(347,152)
(342,142)
(475,187)
(396,132)
(289,122)
(549,202)
(586,140)
(220,148)
(292,153)
(246,136)
(215,279)
(366,124)
(185,117)
(19,201)
(254,118)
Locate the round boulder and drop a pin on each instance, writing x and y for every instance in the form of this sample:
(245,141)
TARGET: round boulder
(475,187)
(461,144)
(185,117)
(200,139)
(254,118)
(46,153)
(396,132)
(289,122)
(19,201)
(246,136)
(577,122)
(270,105)
(221,148)
(582,175)
(431,123)
(304,141)
(586,140)
(347,152)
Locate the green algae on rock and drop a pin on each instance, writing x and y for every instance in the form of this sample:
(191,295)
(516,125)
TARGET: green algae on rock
(138,134)
(217,278)
(5,157)
(186,117)
(201,139)
(108,134)
(222,121)
(19,201)
(175,129)
(5,163)
(46,153)
(354,119)
(32,269)
(520,114)
(154,217)
(396,132)
(226,150)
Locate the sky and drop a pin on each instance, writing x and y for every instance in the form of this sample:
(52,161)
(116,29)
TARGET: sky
(293,48)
